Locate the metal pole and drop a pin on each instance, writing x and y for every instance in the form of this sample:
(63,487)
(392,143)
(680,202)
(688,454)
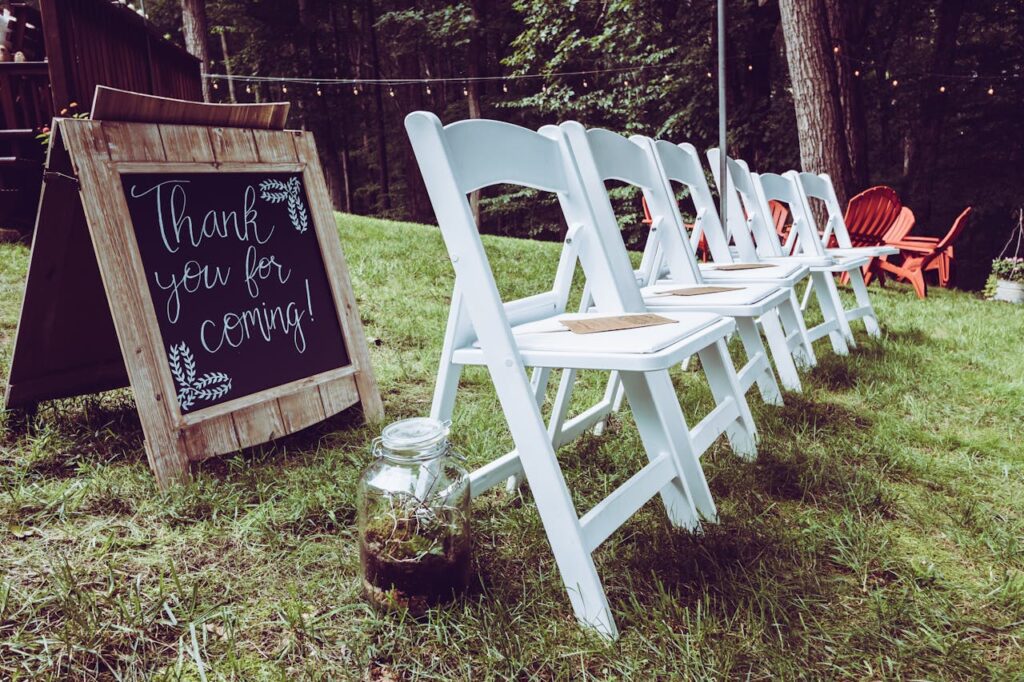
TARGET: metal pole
(723,176)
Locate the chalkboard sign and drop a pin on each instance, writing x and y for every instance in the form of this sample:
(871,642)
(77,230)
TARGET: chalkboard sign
(237,280)
(199,263)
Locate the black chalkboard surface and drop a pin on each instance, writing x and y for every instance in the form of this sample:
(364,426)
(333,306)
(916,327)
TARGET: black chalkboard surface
(237,280)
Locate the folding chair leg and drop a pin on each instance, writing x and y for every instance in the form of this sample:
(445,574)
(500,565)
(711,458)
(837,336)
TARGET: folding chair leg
(718,368)
(565,535)
(832,310)
(751,339)
(860,290)
(613,395)
(807,294)
(663,429)
(784,363)
(443,403)
(561,406)
(793,323)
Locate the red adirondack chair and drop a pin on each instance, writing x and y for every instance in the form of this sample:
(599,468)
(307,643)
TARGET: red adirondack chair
(870,214)
(898,231)
(921,254)
(873,218)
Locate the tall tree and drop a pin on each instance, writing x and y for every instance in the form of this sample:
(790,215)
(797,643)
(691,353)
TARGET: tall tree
(846,22)
(193,24)
(815,93)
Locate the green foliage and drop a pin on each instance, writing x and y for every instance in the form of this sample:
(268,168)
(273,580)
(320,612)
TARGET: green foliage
(1009,269)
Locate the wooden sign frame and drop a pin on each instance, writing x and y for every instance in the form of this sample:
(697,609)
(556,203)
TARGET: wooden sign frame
(86,266)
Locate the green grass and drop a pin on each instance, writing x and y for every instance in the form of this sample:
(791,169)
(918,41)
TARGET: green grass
(880,534)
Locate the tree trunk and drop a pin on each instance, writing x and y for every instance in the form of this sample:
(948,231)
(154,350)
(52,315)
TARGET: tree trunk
(382,150)
(845,29)
(926,138)
(227,65)
(193,24)
(815,98)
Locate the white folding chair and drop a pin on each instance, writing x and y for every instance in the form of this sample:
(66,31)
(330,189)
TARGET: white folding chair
(681,163)
(820,187)
(749,212)
(507,337)
(788,189)
(603,155)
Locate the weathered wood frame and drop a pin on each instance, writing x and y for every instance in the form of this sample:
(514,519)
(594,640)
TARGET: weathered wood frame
(96,153)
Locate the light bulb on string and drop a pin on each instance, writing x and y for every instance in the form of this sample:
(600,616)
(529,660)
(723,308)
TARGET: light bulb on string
(856,73)
(319,92)
(504,86)
(248,88)
(835,50)
(750,67)
(216,85)
(626,82)
(355,89)
(709,74)
(584,82)
(895,82)
(284,88)
(991,90)
(942,88)
(428,88)
(391,92)
(465,90)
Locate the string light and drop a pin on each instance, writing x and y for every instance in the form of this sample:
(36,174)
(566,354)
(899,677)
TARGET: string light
(319,92)
(584,82)
(750,67)
(504,87)
(895,82)
(355,90)
(626,82)
(465,91)
(248,88)
(991,90)
(216,85)
(942,88)
(284,88)
(391,92)
(709,74)
(856,73)
(835,50)
(428,89)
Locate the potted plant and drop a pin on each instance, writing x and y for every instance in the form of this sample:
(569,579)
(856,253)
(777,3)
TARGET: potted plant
(1009,276)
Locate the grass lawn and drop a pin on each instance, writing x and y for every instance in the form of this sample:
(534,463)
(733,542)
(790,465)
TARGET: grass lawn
(880,534)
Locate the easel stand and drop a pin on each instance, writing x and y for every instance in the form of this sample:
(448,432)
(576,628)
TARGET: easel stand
(89,321)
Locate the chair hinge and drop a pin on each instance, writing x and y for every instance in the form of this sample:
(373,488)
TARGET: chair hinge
(55,175)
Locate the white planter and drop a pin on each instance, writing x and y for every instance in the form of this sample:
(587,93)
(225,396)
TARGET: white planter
(1012,292)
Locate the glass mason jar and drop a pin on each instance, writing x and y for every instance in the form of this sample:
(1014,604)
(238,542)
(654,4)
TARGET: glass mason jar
(414,538)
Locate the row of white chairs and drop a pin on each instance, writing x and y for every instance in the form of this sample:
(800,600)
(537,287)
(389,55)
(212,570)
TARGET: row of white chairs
(507,337)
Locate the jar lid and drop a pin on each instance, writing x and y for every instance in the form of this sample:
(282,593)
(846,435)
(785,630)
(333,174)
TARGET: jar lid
(417,433)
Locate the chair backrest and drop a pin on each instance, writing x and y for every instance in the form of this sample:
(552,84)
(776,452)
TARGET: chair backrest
(602,155)
(786,188)
(469,155)
(820,187)
(741,225)
(681,163)
(902,226)
(958,226)
(870,214)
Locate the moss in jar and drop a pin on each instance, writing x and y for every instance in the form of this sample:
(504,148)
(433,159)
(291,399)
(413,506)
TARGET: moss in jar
(414,555)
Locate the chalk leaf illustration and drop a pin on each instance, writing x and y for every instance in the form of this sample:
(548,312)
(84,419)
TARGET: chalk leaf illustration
(209,386)
(276,191)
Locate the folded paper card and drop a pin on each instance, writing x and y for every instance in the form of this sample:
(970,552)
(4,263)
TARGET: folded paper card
(744,266)
(593,325)
(695,291)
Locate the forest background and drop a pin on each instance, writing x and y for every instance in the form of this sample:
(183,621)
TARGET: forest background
(924,95)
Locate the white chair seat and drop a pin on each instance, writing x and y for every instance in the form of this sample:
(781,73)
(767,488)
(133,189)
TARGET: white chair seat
(811,261)
(868,251)
(752,299)
(547,343)
(782,271)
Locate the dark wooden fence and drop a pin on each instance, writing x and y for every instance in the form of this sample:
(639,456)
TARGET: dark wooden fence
(71,46)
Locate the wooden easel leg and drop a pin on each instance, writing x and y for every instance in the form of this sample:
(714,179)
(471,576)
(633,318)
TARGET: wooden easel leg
(169,463)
